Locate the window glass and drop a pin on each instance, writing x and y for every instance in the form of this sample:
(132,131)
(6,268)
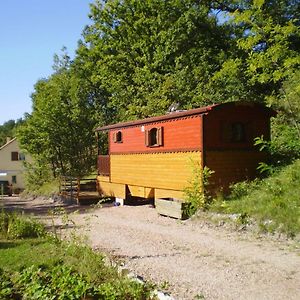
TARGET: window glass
(238,132)
(153,137)
(14,156)
(119,137)
(14,179)
(21,156)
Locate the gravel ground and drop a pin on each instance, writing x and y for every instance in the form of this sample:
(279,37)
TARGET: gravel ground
(190,259)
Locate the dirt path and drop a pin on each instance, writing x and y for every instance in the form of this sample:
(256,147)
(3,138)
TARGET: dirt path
(194,261)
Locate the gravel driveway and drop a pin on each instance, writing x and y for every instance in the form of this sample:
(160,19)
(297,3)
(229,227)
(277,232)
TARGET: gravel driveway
(192,260)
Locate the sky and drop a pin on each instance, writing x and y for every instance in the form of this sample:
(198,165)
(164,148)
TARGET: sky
(31,32)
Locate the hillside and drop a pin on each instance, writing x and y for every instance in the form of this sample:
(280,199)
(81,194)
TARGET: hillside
(273,202)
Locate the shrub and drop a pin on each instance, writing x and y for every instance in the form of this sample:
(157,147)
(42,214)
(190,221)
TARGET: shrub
(15,226)
(196,193)
(6,286)
(57,282)
(63,282)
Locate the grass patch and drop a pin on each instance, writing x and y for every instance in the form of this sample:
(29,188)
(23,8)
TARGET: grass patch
(46,268)
(274,202)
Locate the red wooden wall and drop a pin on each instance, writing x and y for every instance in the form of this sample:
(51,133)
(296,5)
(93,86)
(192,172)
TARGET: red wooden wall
(255,118)
(178,135)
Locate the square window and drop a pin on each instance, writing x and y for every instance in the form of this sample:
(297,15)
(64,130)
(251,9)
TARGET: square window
(235,132)
(14,156)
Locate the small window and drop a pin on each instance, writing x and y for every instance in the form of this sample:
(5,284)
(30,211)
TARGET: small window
(117,137)
(14,179)
(238,132)
(14,156)
(234,132)
(21,156)
(154,137)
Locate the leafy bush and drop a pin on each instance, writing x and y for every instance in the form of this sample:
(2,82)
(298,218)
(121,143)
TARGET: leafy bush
(47,269)
(196,193)
(6,286)
(64,282)
(58,282)
(15,226)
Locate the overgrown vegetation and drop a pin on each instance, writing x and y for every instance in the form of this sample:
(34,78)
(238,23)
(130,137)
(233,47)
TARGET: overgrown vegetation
(14,226)
(273,202)
(40,267)
(196,194)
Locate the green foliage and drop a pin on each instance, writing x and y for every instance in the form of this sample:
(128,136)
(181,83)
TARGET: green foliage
(59,132)
(149,54)
(37,174)
(274,201)
(269,44)
(196,194)
(6,286)
(8,129)
(265,52)
(14,226)
(57,282)
(42,269)
(286,126)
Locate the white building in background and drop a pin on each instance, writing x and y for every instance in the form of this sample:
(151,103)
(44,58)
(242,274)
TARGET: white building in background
(12,164)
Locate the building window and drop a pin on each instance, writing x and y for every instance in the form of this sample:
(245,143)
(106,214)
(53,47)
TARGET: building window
(238,132)
(14,156)
(21,156)
(154,137)
(117,137)
(233,132)
(14,179)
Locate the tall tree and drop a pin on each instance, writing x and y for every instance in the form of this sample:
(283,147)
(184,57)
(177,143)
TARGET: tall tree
(148,54)
(270,49)
(60,128)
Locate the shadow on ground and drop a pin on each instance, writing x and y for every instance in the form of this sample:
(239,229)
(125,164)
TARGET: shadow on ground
(43,206)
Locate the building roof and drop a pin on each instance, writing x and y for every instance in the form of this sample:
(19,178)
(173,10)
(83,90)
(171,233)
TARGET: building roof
(180,114)
(7,143)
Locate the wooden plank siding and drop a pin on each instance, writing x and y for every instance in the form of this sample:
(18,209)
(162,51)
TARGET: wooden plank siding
(158,170)
(111,189)
(178,134)
(255,120)
(232,166)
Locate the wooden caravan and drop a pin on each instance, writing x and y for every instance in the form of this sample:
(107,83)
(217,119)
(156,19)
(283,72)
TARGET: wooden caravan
(155,157)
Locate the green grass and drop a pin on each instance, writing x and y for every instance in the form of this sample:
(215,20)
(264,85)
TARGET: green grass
(274,202)
(17,254)
(45,268)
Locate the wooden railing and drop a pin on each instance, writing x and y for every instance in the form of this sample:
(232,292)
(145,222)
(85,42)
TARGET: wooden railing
(83,190)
